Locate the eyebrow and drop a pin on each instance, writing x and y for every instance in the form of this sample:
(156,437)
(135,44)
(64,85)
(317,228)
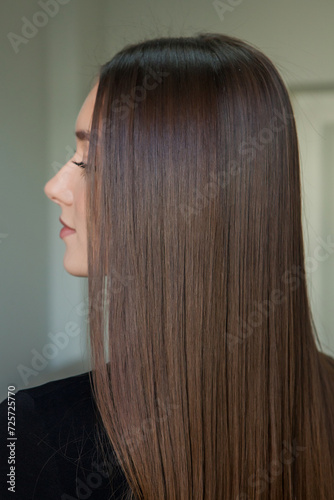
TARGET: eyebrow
(82,135)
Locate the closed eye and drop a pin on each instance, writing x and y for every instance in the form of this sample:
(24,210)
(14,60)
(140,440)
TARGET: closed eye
(80,164)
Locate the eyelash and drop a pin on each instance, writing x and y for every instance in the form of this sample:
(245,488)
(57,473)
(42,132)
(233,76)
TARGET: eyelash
(82,165)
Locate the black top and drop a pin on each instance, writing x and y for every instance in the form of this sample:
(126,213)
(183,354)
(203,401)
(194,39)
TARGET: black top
(57,452)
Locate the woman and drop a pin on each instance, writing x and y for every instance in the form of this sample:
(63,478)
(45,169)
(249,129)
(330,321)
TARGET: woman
(185,204)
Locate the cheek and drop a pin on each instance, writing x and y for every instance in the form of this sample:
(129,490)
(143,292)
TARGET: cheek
(80,211)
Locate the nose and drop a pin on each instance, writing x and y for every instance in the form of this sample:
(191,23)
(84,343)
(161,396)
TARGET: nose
(58,188)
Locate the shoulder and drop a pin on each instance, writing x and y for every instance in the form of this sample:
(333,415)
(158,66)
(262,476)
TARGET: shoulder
(55,400)
(57,450)
(50,409)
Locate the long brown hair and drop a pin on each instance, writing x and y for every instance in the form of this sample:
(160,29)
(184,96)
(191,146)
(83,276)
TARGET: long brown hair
(206,371)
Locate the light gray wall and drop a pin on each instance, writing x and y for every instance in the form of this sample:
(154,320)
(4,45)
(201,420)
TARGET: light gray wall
(43,84)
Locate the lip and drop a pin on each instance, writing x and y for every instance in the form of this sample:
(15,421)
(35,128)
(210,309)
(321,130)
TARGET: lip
(66,231)
(63,223)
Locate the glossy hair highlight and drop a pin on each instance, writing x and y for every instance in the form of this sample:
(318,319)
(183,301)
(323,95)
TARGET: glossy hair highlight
(206,371)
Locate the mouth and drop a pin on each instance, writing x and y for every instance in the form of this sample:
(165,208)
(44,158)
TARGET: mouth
(66,230)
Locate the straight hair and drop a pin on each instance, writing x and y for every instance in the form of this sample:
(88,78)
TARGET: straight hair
(205,367)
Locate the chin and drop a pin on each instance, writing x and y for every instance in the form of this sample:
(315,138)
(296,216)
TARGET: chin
(78,274)
(76,270)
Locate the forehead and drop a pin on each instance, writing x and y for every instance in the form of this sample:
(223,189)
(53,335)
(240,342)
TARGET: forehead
(86,112)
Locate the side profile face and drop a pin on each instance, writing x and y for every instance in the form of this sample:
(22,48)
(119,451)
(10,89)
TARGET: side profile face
(68,189)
